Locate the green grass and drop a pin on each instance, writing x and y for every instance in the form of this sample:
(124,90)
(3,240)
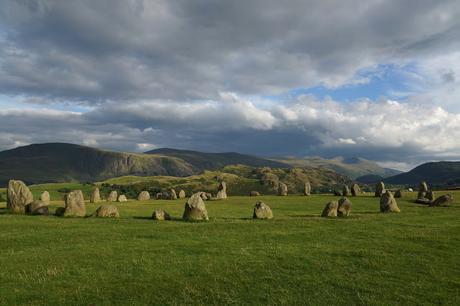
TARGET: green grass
(369,258)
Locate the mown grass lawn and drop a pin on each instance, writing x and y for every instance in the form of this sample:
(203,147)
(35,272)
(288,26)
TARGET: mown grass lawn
(297,258)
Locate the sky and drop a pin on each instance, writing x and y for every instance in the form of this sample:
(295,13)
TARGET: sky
(378,79)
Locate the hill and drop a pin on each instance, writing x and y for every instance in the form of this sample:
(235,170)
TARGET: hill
(437,173)
(352,167)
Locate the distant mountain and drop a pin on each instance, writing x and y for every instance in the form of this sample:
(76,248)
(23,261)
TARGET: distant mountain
(437,173)
(353,167)
(213,161)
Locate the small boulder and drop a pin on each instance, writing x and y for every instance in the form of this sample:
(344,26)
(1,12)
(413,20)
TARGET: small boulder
(388,203)
(254,194)
(262,211)
(45,197)
(344,208)
(113,196)
(282,189)
(424,201)
(95,196)
(355,190)
(221,191)
(107,211)
(330,210)
(181,194)
(18,196)
(160,215)
(143,196)
(195,209)
(443,200)
(379,189)
(37,207)
(307,189)
(74,204)
(122,198)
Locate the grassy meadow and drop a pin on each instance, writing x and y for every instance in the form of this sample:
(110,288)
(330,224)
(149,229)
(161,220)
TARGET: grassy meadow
(368,258)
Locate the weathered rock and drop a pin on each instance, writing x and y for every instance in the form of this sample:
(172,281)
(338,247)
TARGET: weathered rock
(443,200)
(18,196)
(254,194)
(113,196)
(422,190)
(346,191)
(221,191)
(160,215)
(143,196)
(95,196)
(430,195)
(122,198)
(45,197)
(388,203)
(344,208)
(195,209)
(307,189)
(208,195)
(282,189)
(379,189)
(262,211)
(423,201)
(203,195)
(355,190)
(172,194)
(107,211)
(37,207)
(181,194)
(398,194)
(159,196)
(330,210)
(74,204)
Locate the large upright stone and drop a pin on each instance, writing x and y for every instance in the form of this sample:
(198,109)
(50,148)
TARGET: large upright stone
(181,194)
(195,209)
(443,200)
(282,189)
(107,211)
(307,189)
(18,196)
(355,190)
(122,198)
(422,190)
(221,191)
(172,194)
(45,197)
(379,189)
(95,196)
(74,204)
(113,196)
(330,210)
(143,196)
(344,208)
(262,211)
(430,195)
(346,191)
(388,203)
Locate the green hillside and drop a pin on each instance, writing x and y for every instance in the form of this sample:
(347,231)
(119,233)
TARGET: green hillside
(438,173)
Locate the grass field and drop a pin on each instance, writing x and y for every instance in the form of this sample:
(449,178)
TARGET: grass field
(369,258)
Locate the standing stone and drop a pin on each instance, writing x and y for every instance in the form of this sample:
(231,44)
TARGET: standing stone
(18,196)
(307,189)
(430,195)
(254,194)
(95,196)
(379,189)
(208,195)
(398,194)
(181,194)
(37,207)
(159,196)
(107,211)
(330,210)
(203,195)
(221,191)
(160,215)
(195,209)
(122,198)
(282,189)
(74,205)
(344,208)
(388,203)
(45,197)
(422,190)
(443,200)
(262,211)
(113,196)
(337,193)
(346,191)
(143,196)
(172,194)
(355,190)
